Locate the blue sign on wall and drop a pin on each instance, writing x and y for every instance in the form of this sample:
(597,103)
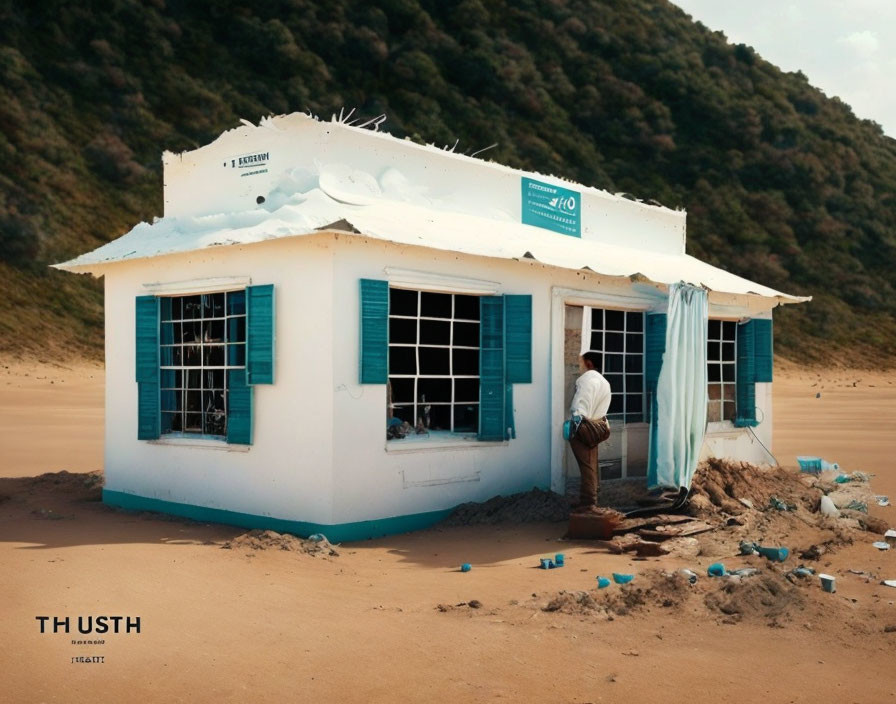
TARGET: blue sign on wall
(552,207)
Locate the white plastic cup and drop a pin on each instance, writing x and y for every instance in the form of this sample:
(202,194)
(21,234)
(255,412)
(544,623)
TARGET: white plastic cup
(828,583)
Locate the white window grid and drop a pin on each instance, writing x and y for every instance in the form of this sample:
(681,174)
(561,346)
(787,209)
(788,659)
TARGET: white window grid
(174,348)
(418,404)
(618,337)
(721,370)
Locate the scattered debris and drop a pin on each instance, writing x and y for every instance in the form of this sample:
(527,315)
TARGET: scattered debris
(882,500)
(889,582)
(881,545)
(779,505)
(800,573)
(828,508)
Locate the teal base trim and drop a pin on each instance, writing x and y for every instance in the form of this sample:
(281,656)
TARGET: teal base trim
(336,533)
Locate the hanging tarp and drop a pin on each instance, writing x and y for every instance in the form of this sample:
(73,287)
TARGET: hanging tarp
(681,389)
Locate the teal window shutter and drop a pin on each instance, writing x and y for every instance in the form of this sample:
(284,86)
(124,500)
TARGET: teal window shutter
(492,383)
(654,349)
(239,408)
(518,339)
(746,376)
(763,349)
(374,331)
(147,367)
(260,334)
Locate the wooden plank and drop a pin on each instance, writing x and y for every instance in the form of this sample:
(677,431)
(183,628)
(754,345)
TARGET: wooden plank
(666,531)
(633,524)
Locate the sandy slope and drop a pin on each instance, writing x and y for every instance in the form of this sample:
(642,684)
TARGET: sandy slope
(241,625)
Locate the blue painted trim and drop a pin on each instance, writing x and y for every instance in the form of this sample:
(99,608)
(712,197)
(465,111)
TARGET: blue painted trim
(336,533)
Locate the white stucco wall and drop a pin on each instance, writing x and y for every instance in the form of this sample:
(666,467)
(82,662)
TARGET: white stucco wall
(320,453)
(286,472)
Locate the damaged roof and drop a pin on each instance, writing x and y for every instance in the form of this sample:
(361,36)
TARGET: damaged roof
(389,201)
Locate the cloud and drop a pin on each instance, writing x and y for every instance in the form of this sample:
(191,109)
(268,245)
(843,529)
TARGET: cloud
(864,43)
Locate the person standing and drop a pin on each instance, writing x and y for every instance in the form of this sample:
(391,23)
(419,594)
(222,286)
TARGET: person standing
(589,407)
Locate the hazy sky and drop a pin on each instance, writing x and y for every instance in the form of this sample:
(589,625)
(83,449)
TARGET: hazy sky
(845,48)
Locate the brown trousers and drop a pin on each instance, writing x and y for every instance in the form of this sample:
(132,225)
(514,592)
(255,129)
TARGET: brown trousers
(587,459)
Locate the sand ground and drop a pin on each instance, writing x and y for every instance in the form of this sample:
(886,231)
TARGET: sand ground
(223,625)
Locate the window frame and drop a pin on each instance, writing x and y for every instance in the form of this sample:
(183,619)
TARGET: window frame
(718,342)
(627,418)
(182,436)
(418,317)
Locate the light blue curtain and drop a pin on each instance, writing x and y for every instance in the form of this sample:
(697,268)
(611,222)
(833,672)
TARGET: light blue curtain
(681,389)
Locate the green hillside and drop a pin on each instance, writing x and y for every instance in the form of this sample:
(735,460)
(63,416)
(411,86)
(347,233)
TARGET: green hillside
(781,184)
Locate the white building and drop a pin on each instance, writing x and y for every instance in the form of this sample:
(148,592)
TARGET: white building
(301,265)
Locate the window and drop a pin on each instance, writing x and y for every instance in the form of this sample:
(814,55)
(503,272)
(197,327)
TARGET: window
(201,337)
(618,336)
(721,370)
(434,359)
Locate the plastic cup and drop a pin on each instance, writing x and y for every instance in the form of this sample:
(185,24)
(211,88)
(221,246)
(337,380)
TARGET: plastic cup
(603,582)
(622,578)
(559,559)
(716,569)
(828,583)
(546,563)
(466,567)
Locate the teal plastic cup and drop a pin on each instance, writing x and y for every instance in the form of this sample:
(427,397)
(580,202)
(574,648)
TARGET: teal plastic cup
(716,569)
(559,559)
(622,578)
(466,567)
(603,582)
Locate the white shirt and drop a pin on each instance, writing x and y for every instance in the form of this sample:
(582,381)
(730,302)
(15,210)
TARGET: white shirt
(592,397)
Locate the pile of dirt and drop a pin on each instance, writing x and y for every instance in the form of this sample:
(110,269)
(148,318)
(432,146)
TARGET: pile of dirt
(527,507)
(773,506)
(271,540)
(86,486)
(766,596)
(734,487)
